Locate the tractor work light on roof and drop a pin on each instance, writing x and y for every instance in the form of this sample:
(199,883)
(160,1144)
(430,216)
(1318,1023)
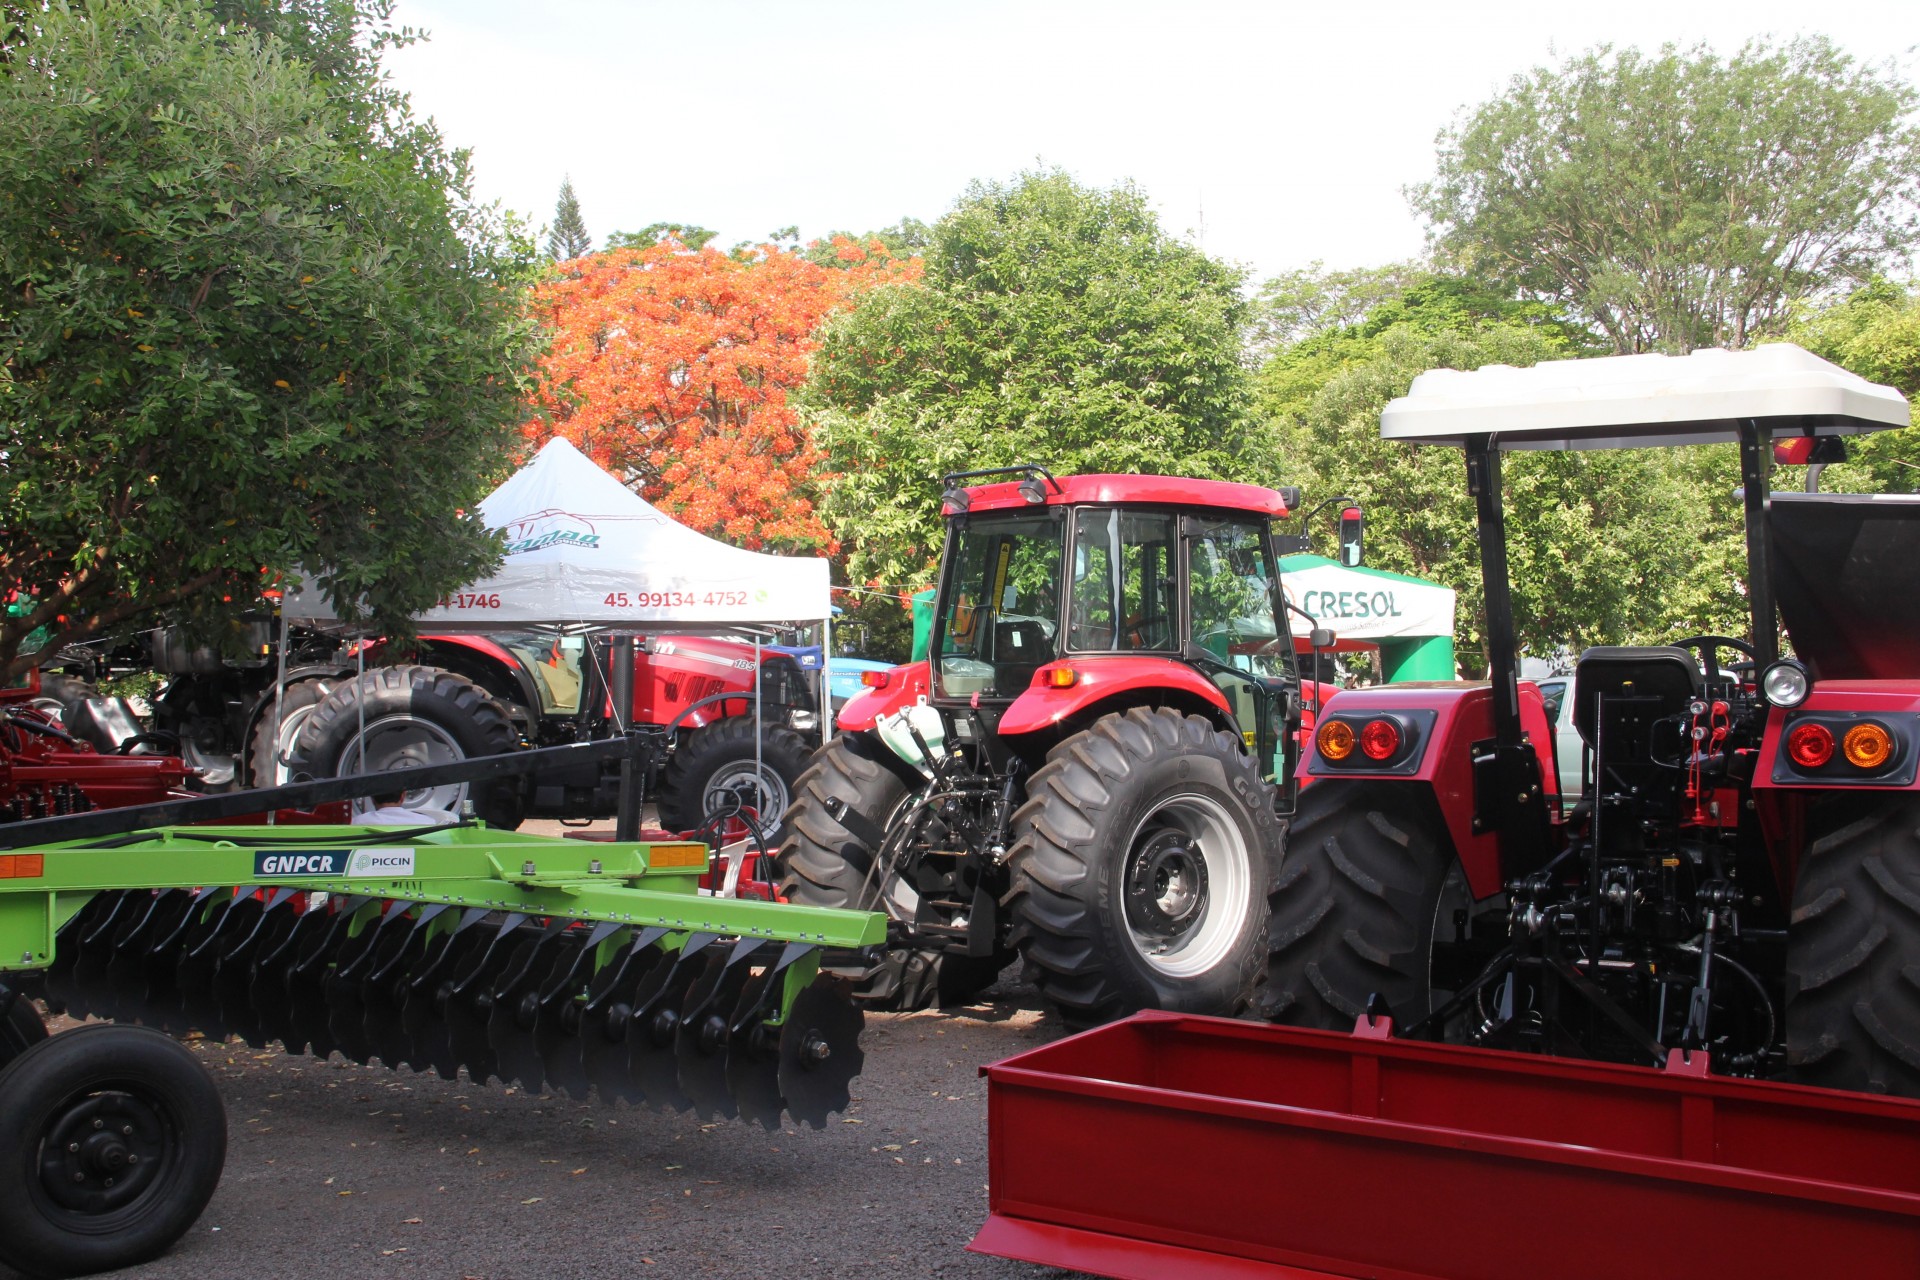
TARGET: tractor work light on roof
(955,501)
(1785,684)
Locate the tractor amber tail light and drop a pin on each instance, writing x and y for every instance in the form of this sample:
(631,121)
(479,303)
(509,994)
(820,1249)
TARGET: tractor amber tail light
(1867,745)
(1058,677)
(1810,745)
(874,679)
(1380,740)
(1335,739)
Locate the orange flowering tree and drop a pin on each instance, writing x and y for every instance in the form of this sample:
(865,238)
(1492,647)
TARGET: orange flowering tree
(675,364)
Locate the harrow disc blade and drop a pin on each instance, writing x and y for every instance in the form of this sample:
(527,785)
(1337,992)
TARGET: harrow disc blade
(609,1009)
(89,950)
(656,1018)
(469,995)
(345,986)
(820,1053)
(516,1004)
(700,1041)
(753,1054)
(162,968)
(556,1027)
(231,921)
(397,954)
(272,975)
(233,979)
(428,989)
(307,1011)
(63,992)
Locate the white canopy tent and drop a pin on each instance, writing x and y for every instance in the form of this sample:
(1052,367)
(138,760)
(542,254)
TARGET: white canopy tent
(585,552)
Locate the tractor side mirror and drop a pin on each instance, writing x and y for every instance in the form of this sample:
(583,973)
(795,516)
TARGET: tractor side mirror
(1321,638)
(1352,534)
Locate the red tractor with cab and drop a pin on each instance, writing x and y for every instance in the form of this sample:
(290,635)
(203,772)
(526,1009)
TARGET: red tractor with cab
(1092,769)
(1740,875)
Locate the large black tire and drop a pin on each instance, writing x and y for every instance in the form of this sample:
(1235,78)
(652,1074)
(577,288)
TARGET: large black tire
(414,716)
(1141,862)
(1853,953)
(714,764)
(821,864)
(1358,904)
(268,748)
(22,1029)
(65,1212)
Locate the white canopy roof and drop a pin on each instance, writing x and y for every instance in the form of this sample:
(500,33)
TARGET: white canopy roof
(585,551)
(1625,402)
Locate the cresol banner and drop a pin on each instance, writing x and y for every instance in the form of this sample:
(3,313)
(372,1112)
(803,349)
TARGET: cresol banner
(1370,606)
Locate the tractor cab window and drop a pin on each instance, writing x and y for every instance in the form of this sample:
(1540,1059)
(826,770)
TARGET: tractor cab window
(555,664)
(1001,606)
(1233,609)
(1124,594)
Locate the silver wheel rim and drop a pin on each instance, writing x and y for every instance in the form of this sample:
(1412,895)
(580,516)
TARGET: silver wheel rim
(406,742)
(763,790)
(1185,885)
(290,727)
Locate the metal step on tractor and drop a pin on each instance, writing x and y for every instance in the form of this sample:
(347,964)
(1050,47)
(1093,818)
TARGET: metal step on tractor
(1593,1016)
(1092,769)
(456,697)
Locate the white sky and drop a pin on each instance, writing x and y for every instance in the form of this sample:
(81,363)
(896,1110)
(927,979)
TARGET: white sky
(1274,134)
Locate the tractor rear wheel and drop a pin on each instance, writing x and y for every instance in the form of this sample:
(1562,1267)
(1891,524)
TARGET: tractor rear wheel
(59,694)
(412,716)
(269,750)
(1359,905)
(1141,861)
(713,767)
(823,865)
(1853,948)
(111,1143)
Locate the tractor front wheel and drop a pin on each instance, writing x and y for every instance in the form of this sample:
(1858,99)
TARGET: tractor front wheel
(713,768)
(1853,950)
(1140,863)
(1360,905)
(111,1143)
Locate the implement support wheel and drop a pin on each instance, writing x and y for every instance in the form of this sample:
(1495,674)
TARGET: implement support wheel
(111,1144)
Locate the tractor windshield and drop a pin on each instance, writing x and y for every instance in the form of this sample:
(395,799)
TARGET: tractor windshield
(1000,607)
(1233,608)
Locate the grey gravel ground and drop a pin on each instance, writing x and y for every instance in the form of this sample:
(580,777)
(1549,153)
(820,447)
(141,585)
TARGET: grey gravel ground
(336,1170)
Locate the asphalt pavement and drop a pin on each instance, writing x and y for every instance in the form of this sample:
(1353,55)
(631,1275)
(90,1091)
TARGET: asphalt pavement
(336,1170)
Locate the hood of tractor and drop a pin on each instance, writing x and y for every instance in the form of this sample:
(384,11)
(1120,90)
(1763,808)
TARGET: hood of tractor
(1846,574)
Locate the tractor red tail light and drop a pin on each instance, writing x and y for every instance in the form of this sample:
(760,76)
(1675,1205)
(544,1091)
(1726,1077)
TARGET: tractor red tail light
(1810,745)
(1380,740)
(874,679)
(1867,746)
(1335,739)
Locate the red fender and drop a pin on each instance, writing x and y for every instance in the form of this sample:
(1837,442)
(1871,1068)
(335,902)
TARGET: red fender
(1442,758)
(1099,679)
(904,686)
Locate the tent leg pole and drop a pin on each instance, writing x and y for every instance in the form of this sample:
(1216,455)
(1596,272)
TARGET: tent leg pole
(826,676)
(626,823)
(759,730)
(273,727)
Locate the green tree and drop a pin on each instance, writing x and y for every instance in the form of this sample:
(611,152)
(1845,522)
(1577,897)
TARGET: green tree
(568,239)
(1605,547)
(686,233)
(1681,200)
(1875,332)
(250,320)
(1056,324)
(1300,303)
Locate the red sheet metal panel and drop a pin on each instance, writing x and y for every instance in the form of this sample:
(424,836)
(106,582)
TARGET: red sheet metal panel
(1203,1146)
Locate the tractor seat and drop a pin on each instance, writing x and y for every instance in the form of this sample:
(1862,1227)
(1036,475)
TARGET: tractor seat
(1664,673)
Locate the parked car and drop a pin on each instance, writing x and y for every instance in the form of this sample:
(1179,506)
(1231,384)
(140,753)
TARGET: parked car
(1568,749)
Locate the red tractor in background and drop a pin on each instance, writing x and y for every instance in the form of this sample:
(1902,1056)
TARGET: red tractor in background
(454,697)
(1091,770)
(1741,875)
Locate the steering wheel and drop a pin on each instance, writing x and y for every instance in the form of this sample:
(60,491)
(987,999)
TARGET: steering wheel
(1709,648)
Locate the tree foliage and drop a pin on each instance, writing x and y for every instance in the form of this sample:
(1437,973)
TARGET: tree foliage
(685,233)
(1057,325)
(568,238)
(249,321)
(1605,547)
(1682,200)
(675,365)
(1875,332)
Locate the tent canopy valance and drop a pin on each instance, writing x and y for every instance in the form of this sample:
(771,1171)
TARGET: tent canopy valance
(585,552)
